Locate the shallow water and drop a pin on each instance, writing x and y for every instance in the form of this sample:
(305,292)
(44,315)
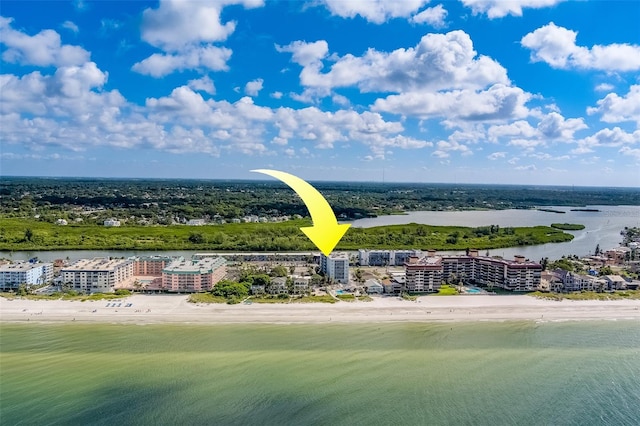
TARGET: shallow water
(486,373)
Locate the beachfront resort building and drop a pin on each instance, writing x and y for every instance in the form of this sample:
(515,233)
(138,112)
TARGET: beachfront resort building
(336,267)
(427,273)
(98,275)
(150,265)
(29,273)
(193,275)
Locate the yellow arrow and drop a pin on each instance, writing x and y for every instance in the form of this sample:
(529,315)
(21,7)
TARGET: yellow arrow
(325,232)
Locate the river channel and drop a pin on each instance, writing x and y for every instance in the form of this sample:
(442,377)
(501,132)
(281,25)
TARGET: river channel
(602,228)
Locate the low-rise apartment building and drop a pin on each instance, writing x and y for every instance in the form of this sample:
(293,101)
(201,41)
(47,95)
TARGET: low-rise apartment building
(14,274)
(193,275)
(98,275)
(301,285)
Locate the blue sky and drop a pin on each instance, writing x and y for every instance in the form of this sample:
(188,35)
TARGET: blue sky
(478,91)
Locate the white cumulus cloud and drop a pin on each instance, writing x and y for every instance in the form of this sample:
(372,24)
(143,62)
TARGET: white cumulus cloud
(204,84)
(42,49)
(615,108)
(254,87)
(434,16)
(557,47)
(438,61)
(497,103)
(502,8)
(185,31)
(376,11)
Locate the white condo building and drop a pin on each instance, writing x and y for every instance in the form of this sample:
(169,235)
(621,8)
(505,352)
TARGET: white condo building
(14,274)
(386,257)
(336,267)
(98,275)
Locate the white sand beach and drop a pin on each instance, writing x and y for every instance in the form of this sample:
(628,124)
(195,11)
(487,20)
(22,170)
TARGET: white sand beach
(152,309)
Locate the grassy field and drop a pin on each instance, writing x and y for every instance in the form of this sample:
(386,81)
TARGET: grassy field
(315,299)
(205,298)
(446,290)
(27,234)
(346,297)
(589,295)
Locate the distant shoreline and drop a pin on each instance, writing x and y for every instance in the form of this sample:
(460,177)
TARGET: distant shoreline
(174,309)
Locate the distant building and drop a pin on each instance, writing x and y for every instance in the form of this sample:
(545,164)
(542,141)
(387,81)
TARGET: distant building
(336,267)
(385,257)
(308,257)
(195,222)
(98,275)
(14,274)
(617,256)
(193,275)
(61,222)
(112,222)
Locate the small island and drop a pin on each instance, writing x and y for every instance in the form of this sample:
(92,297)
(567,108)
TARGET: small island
(550,210)
(585,210)
(568,226)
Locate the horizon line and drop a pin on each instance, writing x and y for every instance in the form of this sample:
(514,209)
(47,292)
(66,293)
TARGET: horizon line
(385,182)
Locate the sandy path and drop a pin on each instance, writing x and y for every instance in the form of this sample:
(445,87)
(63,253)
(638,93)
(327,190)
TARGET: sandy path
(149,309)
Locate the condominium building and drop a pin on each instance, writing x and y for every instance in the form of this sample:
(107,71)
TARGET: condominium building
(385,257)
(14,274)
(427,273)
(150,265)
(423,274)
(336,267)
(193,275)
(98,275)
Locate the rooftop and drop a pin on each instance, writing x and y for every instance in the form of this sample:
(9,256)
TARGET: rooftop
(21,266)
(195,265)
(96,264)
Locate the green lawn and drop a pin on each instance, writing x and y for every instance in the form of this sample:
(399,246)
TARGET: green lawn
(589,295)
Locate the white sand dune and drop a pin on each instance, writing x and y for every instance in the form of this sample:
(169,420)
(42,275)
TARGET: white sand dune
(151,309)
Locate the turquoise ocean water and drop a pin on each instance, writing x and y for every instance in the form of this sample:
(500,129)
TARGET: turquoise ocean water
(513,373)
